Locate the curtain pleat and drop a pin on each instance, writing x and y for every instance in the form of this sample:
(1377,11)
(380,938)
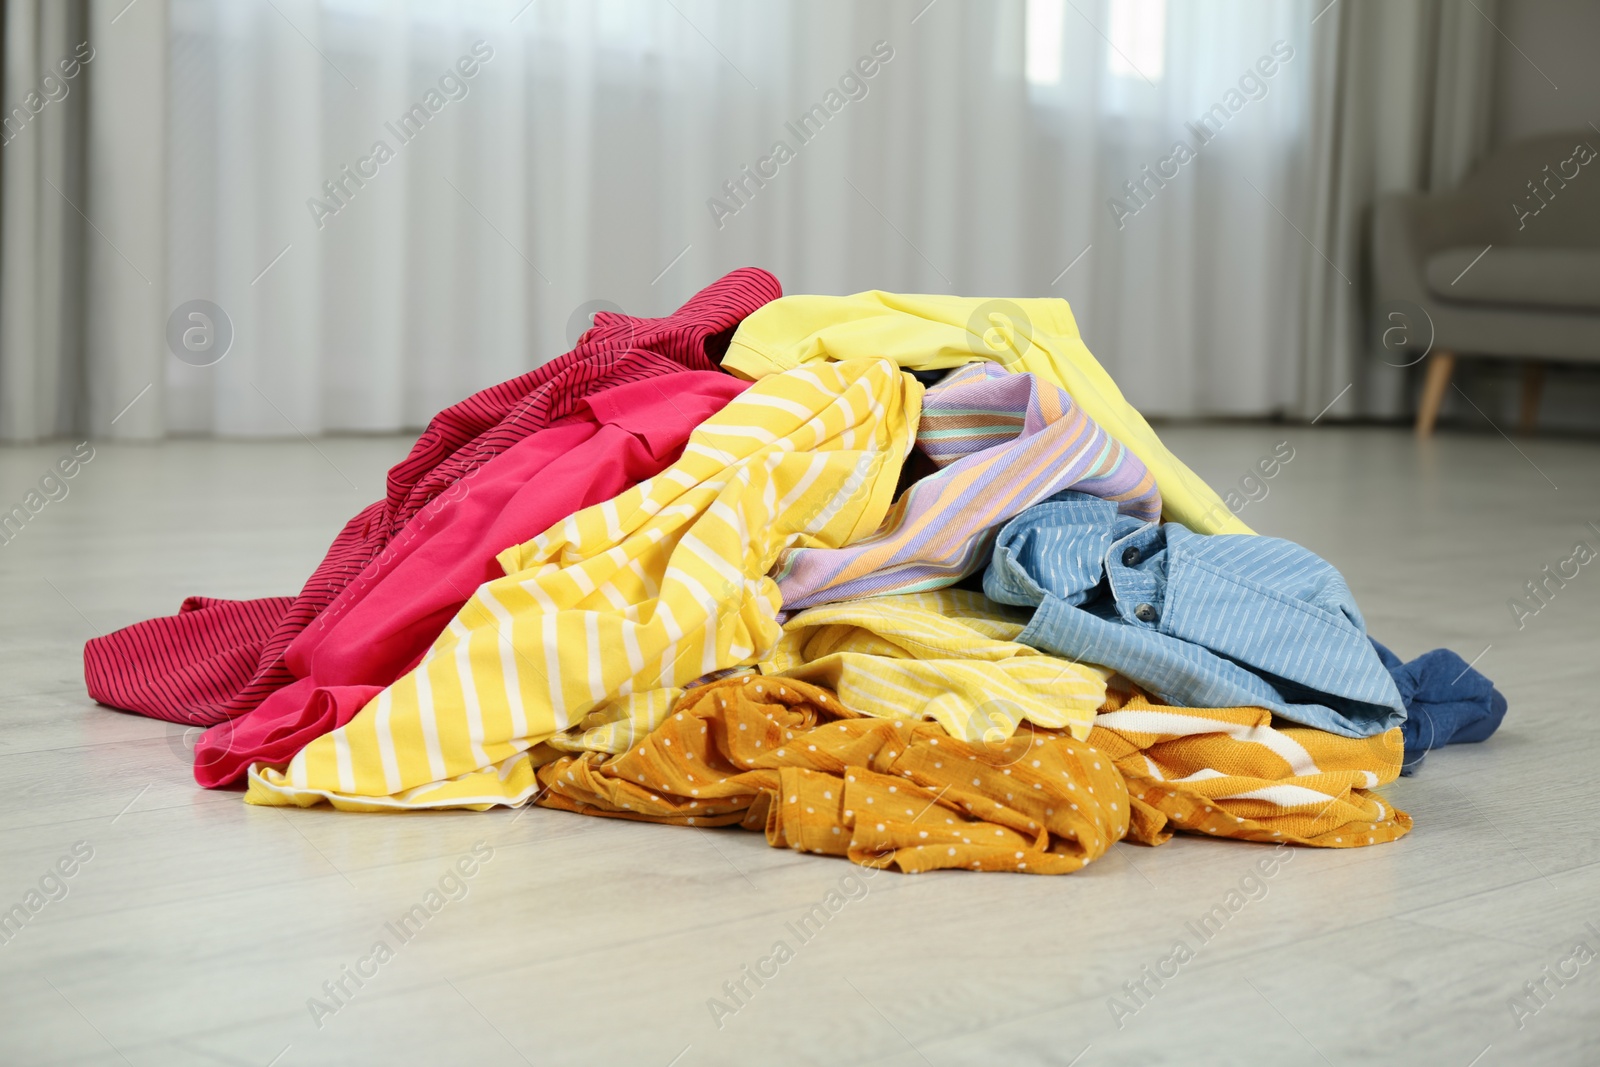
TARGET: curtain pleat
(41,245)
(1404,105)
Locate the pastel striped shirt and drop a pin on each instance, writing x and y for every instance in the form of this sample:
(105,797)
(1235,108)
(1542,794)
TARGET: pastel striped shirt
(923,332)
(652,589)
(1003,442)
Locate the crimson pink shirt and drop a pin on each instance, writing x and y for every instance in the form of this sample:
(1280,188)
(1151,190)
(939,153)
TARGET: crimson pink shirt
(383,622)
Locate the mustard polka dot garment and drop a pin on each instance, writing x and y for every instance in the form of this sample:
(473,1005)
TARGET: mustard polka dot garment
(787,758)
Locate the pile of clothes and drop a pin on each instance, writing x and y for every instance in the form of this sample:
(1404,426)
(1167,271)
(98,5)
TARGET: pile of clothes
(899,578)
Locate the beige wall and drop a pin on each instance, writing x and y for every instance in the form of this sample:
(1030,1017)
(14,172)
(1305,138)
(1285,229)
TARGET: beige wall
(1563,38)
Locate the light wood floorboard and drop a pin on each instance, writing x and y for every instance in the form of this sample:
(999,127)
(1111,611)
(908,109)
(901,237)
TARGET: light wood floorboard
(201,927)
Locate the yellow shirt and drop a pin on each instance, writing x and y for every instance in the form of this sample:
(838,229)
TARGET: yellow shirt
(949,655)
(936,332)
(651,590)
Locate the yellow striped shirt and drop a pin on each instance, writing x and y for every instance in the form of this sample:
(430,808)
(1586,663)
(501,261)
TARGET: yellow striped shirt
(948,655)
(653,589)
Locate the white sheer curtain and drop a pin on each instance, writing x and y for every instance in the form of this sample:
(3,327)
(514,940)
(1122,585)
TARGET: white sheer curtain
(582,159)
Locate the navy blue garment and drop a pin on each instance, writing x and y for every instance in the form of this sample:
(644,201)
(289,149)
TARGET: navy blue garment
(929,377)
(1447,702)
(1225,620)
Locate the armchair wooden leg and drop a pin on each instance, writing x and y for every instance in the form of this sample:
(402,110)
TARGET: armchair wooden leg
(1440,366)
(1532,392)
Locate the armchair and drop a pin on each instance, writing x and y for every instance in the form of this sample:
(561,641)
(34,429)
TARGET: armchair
(1507,265)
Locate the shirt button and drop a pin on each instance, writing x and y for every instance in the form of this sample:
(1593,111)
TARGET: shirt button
(1145,613)
(1130,557)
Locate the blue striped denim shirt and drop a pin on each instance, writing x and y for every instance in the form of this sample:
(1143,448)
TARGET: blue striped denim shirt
(1224,620)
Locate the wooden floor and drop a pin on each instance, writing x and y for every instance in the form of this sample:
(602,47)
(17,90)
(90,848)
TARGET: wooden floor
(201,929)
